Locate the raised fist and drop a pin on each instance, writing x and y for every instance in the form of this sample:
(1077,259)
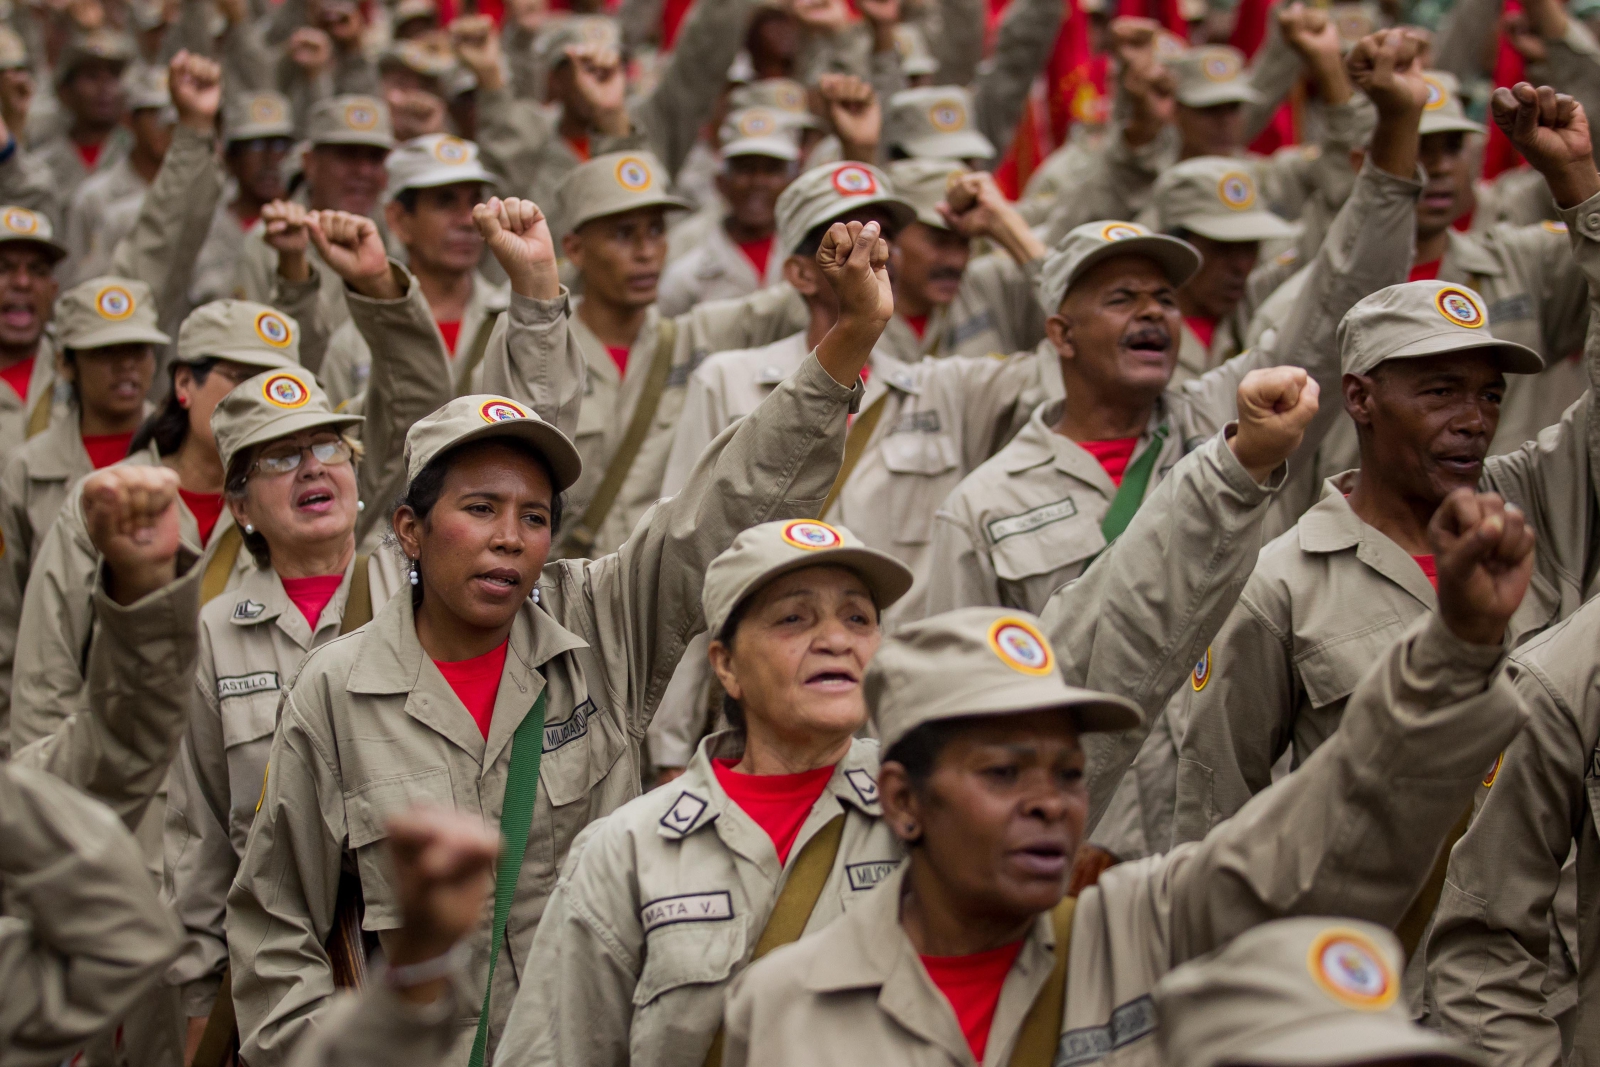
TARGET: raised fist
(1387,66)
(1552,133)
(854,258)
(195,83)
(1483,550)
(443,865)
(597,74)
(353,248)
(131,512)
(519,236)
(855,112)
(1275,405)
(311,50)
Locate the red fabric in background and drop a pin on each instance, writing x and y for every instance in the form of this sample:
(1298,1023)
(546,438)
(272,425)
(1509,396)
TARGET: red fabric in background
(619,356)
(106,448)
(17,376)
(758,253)
(312,594)
(673,13)
(206,509)
(1071,89)
(1203,328)
(972,986)
(495,9)
(918,324)
(451,332)
(1498,155)
(1424,272)
(1429,567)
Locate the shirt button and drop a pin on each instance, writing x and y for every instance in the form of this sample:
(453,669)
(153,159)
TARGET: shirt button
(1593,221)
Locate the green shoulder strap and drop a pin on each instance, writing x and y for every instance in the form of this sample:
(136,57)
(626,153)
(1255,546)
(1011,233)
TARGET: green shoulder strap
(516,815)
(1135,480)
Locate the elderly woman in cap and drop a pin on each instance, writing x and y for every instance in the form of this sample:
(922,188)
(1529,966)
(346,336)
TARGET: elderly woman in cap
(499,686)
(962,953)
(771,832)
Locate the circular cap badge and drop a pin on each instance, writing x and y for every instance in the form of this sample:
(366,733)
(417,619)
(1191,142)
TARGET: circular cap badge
(633,175)
(20,220)
(1219,66)
(854,181)
(1021,647)
(1459,308)
(811,535)
(757,124)
(114,303)
(360,116)
(272,328)
(1351,970)
(948,116)
(501,411)
(1121,231)
(286,391)
(1438,95)
(790,98)
(1237,190)
(265,109)
(452,150)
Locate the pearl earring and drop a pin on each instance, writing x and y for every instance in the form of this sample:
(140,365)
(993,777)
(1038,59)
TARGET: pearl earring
(249,529)
(535,594)
(415,580)
(361,505)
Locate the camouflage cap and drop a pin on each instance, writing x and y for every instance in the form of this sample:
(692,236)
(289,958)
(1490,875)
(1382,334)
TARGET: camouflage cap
(824,193)
(253,116)
(762,553)
(102,45)
(432,160)
(976,662)
(611,184)
(569,31)
(935,123)
(760,131)
(1216,197)
(20,224)
(13,52)
(362,120)
(921,183)
(1429,318)
(916,58)
(241,331)
(474,418)
(1210,75)
(1303,992)
(780,94)
(1443,113)
(273,405)
(146,89)
(107,311)
(1093,242)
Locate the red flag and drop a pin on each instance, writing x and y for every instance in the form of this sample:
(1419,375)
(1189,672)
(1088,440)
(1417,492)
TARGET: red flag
(1498,155)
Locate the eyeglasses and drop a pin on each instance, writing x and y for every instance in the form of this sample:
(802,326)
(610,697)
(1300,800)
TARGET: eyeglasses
(330,451)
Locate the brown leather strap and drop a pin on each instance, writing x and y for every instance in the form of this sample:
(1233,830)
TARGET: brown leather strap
(580,536)
(222,1029)
(855,446)
(220,566)
(358,605)
(1041,1027)
(39,417)
(480,345)
(1415,921)
(795,903)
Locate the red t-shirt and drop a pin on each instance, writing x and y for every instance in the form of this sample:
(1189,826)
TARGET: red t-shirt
(1424,272)
(17,376)
(106,448)
(89,153)
(1203,328)
(580,147)
(476,683)
(1113,455)
(1430,567)
(312,594)
(972,986)
(918,324)
(779,803)
(246,223)
(451,332)
(206,509)
(619,356)
(758,252)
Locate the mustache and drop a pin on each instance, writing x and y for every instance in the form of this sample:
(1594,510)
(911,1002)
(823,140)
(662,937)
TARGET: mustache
(1154,336)
(944,274)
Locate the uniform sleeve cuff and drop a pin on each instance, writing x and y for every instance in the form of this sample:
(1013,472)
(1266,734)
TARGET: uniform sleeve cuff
(531,311)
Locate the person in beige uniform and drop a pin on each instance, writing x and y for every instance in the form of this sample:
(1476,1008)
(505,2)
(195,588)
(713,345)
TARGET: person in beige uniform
(591,655)
(88,83)
(983,780)
(29,255)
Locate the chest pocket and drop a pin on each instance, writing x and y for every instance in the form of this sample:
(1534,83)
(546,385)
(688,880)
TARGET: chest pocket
(248,723)
(1046,539)
(367,809)
(923,468)
(689,953)
(1331,670)
(596,413)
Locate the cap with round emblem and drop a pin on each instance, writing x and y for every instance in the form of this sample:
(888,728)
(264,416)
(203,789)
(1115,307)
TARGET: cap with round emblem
(1216,197)
(359,120)
(145,89)
(831,191)
(475,418)
(1443,111)
(611,184)
(1302,992)
(107,311)
(780,94)
(760,131)
(434,160)
(922,184)
(254,116)
(762,553)
(96,46)
(20,224)
(269,406)
(241,331)
(1430,318)
(564,32)
(1086,245)
(977,662)
(1210,75)
(935,123)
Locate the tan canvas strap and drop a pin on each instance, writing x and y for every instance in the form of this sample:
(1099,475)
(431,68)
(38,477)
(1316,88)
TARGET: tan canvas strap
(358,605)
(220,566)
(1415,921)
(795,903)
(221,1034)
(1041,1027)
(581,535)
(480,345)
(39,417)
(855,446)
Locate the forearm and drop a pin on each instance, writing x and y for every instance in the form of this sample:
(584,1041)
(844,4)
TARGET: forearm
(707,43)
(301,300)
(375,1027)
(534,359)
(1026,39)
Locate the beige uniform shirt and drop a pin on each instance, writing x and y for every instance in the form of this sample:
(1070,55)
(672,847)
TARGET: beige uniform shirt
(32,490)
(375,1028)
(60,154)
(1195,357)
(84,233)
(16,411)
(714,269)
(857,992)
(996,310)
(256,278)
(601,643)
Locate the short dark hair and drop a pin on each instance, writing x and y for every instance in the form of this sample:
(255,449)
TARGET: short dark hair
(407,198)
(918,751)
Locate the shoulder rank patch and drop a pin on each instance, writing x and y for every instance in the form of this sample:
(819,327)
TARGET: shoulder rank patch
(248,609)
(245,684)
(684,813)
(1029,521)
(689,908)
(866,875)
(1202,671)
(864,784)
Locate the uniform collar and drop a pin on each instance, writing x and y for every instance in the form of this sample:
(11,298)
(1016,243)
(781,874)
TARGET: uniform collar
(1464,254)
(1038,443)
(901,339)
(61,455)
(261,598)
(594,352)
(1332,526)
(891,373)
(774,363)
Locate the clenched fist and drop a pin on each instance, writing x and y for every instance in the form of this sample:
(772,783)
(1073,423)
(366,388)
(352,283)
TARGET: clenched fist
(352,247)
(1551,131)
(519,236)
(1276,404)
(443,863)
(1483,549)
(131,512)
(854,258)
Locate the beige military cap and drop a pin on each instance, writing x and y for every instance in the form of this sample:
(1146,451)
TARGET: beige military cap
(20,224)
(269,406)
(433,160)
(550,47)
(1354,21)
(1443,112)
(824,193)
(916,58)
(418,57)
(406,10)
(1306,992)
(780,94)
(921,182)
(1216,197)
(1210,75)
(1086,245)
(146,89)
(763,552)
(1430,318)
(252,116)
(104,45)
(611,184)
(350,120)
(107,311)
(242,331)
(760,131)
(473,418)
(978,662)
(935,123)
(13,53)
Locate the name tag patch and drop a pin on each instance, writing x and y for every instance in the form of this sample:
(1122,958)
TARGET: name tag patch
(1129,1023)
(972,327)
(1512,307)
(1029,521)
(573,727)
(690,908)
(866,875)
(245,684)
(917,422)
(248,609)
